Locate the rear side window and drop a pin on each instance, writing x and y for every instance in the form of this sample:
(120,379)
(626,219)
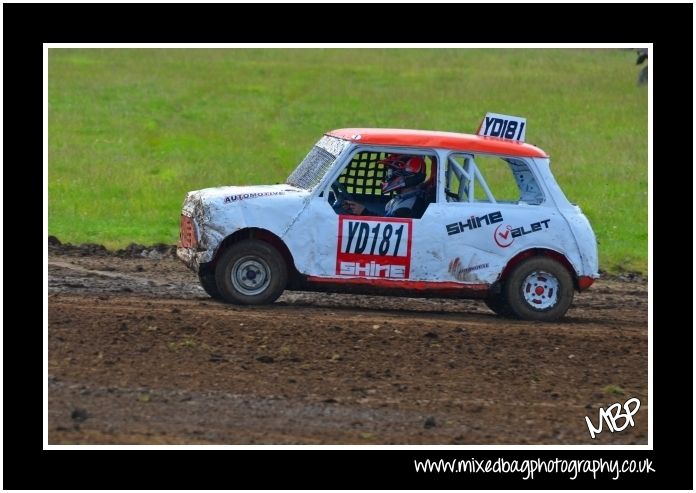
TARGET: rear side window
(482,178)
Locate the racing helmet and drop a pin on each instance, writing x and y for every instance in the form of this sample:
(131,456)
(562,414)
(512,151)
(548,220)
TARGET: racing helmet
(402,171)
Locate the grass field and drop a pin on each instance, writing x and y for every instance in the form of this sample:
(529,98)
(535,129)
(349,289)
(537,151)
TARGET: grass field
(132,130)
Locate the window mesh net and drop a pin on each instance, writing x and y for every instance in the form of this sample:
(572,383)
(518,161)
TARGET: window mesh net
(363,176)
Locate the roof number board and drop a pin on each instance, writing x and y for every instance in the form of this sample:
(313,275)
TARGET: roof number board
(503,126)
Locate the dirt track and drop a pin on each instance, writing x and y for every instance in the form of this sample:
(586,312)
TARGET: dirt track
(139,354)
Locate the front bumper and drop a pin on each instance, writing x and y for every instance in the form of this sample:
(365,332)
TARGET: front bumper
(190,257)
(190,249)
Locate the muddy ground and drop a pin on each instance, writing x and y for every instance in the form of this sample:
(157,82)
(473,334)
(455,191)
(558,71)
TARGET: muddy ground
(139,354)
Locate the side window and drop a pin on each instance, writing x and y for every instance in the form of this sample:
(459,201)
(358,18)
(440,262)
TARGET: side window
(459,178)
(498,178)
(364,174)
(529,189)
(481,178)
(388,184)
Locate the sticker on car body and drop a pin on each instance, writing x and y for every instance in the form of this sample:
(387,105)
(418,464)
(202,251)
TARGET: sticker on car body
(374,248)
(505,236)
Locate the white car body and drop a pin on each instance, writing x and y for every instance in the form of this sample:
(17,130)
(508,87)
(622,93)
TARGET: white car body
(460,247)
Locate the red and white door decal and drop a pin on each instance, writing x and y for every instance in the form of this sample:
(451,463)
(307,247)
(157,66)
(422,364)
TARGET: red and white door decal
(374,248)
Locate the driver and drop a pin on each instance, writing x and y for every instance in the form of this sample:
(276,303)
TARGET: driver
(404,174)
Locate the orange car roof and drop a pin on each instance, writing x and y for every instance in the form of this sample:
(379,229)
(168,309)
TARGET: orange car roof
(445,140)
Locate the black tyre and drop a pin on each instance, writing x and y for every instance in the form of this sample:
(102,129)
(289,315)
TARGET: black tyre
(539,288)
(499,305)
(206,275)
(251,272)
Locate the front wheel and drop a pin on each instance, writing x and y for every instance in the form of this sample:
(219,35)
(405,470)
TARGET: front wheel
(539,288)
(251,272)
(206,276)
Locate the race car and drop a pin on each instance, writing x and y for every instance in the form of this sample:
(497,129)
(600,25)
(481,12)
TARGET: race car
(402,213)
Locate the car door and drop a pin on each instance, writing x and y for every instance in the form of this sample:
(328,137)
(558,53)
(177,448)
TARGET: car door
(370,247)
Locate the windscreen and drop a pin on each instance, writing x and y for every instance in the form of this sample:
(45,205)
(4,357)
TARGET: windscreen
(317,162)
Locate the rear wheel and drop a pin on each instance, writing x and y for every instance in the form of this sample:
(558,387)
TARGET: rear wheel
(539,288)
(251,272)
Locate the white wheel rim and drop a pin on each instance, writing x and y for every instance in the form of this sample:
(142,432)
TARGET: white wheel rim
(250,275)
(540,290)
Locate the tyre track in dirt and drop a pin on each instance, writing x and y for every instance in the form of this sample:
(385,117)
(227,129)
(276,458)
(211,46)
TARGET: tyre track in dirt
(139,354)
